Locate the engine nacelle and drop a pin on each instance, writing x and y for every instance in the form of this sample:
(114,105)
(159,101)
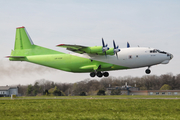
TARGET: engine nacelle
(98,50)
(110,51)
(93,50)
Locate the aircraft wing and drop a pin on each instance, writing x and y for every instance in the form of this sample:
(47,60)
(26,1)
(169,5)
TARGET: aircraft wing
(73,48)
(95,50)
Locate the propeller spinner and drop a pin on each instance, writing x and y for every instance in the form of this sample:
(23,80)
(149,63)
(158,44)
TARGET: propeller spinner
(116,48)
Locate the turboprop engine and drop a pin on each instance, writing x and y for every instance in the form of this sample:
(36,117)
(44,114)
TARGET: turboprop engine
(98,50)
(102,50)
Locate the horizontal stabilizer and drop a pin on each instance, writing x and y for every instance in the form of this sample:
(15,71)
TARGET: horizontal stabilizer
(15,56)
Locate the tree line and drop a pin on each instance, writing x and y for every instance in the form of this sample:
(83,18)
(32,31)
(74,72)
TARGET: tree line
(94,86)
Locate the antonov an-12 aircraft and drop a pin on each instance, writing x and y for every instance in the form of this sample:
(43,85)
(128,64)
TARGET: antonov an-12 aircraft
(96,60)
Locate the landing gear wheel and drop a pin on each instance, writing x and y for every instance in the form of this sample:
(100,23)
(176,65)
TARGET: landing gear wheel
(92,74)
(106,74)
(148,71)
(99,74)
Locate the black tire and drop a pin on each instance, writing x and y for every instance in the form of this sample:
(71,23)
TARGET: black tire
(99,74)
(92,74)
(148,71)
(106,74)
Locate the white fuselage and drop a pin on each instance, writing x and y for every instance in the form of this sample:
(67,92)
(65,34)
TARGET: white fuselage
(133,57)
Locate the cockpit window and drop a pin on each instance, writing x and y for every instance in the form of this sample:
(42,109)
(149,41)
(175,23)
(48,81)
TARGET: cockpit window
(153,51)
(157,51)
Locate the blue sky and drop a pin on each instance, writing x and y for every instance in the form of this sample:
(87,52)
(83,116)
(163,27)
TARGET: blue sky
(145,23)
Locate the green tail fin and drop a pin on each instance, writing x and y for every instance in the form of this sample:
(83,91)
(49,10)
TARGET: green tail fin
(23,40)
(24,46)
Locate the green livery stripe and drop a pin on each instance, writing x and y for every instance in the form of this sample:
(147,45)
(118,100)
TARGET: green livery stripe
(72,63)
(25,50)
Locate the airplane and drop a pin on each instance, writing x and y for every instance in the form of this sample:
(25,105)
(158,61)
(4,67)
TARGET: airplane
(96,60)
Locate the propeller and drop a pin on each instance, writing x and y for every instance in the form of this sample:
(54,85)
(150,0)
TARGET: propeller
(116,48)
(104,47)
(128,45)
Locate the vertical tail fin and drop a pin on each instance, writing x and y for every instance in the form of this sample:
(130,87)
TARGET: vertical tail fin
(24,46)
(23,40)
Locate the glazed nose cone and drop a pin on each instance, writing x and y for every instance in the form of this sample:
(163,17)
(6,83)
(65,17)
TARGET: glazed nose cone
(171,56)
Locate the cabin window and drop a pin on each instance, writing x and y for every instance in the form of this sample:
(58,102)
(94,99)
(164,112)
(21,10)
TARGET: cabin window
(130,56)
(137,56)
(151,93)
(157,93)
(175,93)
(163,93)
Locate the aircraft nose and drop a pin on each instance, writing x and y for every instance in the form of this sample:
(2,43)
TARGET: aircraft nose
(171,56)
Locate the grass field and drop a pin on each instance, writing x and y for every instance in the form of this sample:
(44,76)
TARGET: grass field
(91,107)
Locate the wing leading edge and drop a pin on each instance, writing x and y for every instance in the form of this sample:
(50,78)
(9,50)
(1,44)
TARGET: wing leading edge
(74,48)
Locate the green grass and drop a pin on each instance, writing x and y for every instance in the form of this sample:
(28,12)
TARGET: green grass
(97,107)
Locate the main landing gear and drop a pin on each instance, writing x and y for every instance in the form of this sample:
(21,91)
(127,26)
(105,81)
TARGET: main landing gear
(99,74)
(148,71)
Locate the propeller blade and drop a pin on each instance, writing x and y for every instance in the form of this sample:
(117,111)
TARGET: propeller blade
(116,50)
(114,44)
(128,45)
(105,54)
(116,55)
(103,43)
(104,47)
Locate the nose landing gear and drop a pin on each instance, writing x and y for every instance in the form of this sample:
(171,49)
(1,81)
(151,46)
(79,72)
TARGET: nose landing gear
(148,71)
(99,74)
